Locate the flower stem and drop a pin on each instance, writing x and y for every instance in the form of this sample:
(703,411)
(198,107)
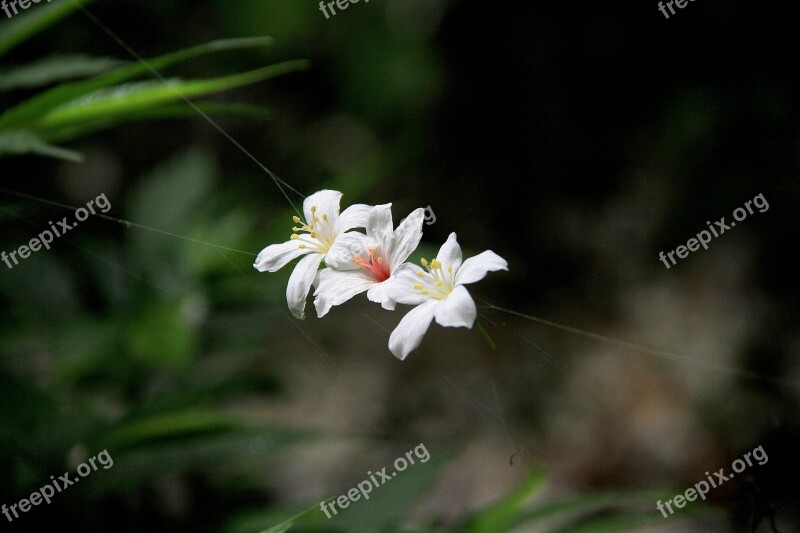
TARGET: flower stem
(485,335)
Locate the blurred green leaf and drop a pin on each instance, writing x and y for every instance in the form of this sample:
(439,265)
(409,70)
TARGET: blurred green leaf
(53,69)
(39,105)
(499,516)
(170,111)
(285,526)
(162,336)
(26,25)
(169,425)
(21,142)
(135,97)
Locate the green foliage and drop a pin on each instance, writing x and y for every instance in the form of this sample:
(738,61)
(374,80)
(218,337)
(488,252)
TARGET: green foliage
(110,96)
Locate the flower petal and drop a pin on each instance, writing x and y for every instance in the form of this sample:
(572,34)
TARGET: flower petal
(378,294)
(406,237)
(326,202)
(409,332)
(300,282)
(345,248)
(379,223)
(276,256)
(475,268)
(450,253)
(400,287)
(335,287)
(457,310)
(354,216)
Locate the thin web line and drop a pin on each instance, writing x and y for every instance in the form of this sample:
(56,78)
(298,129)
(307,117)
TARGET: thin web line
(124,222)
(278,181)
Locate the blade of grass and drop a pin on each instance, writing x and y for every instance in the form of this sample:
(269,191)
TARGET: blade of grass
(21,142)
(142,96)
(39,105)
(59,135)
(55,69)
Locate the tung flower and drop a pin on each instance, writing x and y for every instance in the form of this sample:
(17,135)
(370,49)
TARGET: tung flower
(438,292)
(316,235)
(365,262)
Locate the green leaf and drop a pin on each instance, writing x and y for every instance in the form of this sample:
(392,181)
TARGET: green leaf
(135,97)
(164,112)
(285,526)
(42,103)
(170,425)
(499,516)
(54,69)
(38,17)
(20,142)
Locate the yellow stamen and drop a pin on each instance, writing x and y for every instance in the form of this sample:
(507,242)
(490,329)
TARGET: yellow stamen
(294,236)
(435,264)
(421,274)
(424,292)
(302,246)
(297,229)
(439,283)
(417,286)
(450,269)
(296,219)
(313,235)
(324,217)
(423,262)
(313,208)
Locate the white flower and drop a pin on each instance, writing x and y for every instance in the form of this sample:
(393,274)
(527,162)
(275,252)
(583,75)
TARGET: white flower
(322,227)
(438,292)
(365,262)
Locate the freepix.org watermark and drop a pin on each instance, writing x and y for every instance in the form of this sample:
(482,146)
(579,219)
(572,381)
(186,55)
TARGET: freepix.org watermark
(718,228)
(11,5)
(50,490)
(701,488)
(47,237)
(364,488)
(341,4)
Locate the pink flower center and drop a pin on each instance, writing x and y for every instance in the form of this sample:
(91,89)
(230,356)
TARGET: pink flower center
(376,267)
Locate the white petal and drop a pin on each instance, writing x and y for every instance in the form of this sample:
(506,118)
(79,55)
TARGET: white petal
(327,202)
(409,332)
(475,268)
(276,256)
(378,294)
(354,216)
(300,282)
(406,237)
(450,253)
(457,310)
(379,223)
(335,287)
(400,287)
(345,248)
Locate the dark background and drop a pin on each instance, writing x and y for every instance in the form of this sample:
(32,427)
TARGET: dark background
(576,140)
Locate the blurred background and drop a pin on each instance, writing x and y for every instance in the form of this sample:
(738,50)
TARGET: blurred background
(576,140)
